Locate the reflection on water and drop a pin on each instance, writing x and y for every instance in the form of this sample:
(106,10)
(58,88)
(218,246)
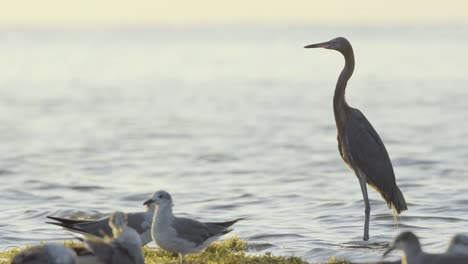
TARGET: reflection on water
(235,122)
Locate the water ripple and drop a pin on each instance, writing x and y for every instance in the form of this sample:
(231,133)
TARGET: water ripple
(253,139)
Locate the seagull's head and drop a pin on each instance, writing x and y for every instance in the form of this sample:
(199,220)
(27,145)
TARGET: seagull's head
(407,242)
(340,44)
(458,244)
(118,219)
(159,198)
(460,239)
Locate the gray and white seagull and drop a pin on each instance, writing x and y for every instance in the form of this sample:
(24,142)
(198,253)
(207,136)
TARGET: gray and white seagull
(46,254)
(182,235)
(123,248)
(140,222)
(458,245)
(413,253)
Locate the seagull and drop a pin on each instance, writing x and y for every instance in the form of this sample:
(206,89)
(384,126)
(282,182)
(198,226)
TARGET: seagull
(182,235)
(413,254)
(46,254)
(140,221)
(458,245)
(123,248)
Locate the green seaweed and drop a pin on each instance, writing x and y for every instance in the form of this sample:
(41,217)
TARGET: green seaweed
(229,251)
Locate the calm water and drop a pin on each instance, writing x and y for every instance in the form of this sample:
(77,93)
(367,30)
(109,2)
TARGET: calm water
(233,121)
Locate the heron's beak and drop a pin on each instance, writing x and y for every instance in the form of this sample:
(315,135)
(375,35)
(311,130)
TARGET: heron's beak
(318,45)
(388,251)
(148,202)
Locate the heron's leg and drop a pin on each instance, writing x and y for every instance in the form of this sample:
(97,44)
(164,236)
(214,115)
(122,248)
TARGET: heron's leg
(363,183)
(181,258)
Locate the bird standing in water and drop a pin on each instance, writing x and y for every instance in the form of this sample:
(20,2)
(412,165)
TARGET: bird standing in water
(358,143)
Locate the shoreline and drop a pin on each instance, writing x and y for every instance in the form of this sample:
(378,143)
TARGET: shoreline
(230,251)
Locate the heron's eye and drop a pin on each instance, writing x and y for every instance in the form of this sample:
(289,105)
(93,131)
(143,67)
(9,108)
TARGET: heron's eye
(160,196)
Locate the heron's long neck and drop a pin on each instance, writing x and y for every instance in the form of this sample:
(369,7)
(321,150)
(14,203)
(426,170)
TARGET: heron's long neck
(340,106)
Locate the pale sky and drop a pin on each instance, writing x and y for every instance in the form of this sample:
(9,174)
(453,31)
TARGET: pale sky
(115,12)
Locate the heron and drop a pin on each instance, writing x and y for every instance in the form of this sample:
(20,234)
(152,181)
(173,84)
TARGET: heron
(359,144)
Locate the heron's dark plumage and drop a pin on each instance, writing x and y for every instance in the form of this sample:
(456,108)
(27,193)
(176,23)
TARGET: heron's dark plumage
(358,143)
(367,153)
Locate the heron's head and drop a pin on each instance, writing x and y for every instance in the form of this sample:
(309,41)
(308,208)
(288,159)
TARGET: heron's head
(160,198)
(407,242)
(340,44)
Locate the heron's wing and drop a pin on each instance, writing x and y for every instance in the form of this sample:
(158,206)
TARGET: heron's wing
(367,153)
(340,149)
(195,231)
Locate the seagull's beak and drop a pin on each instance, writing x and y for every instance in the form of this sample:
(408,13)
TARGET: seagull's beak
(318,45)
(388,251)
(148,202)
